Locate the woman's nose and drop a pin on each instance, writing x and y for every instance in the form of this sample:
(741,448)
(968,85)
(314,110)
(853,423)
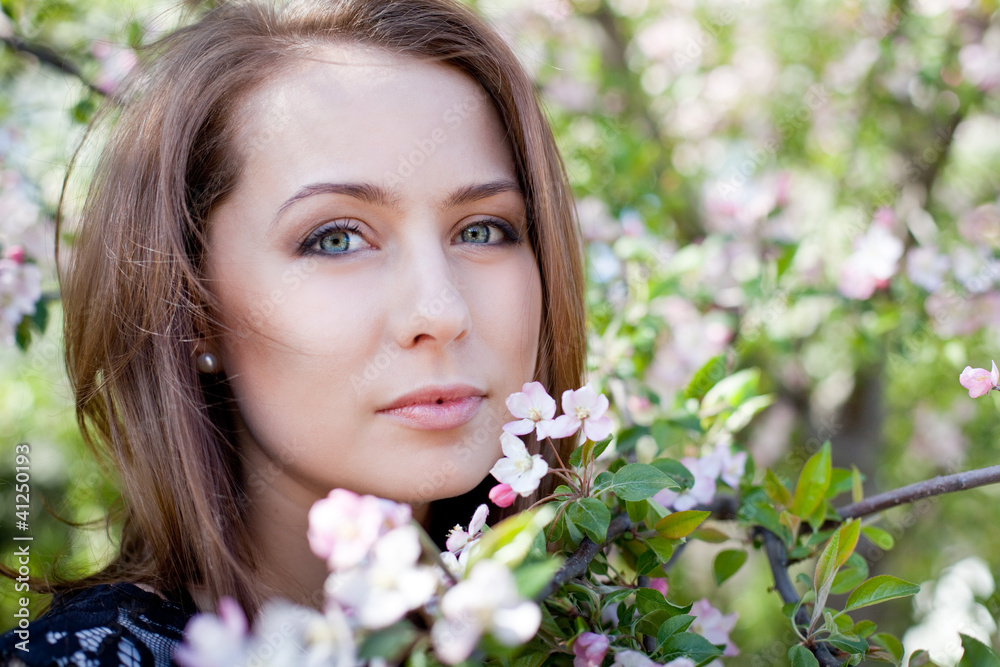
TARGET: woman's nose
(430,303)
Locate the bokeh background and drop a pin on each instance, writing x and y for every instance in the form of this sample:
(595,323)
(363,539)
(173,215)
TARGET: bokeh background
(809,186)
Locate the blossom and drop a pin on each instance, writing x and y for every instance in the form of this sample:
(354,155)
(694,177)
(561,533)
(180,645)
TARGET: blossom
(926,267)
(460,540)
(390,584)
(682,662)
(711,624)
(581,407)
(485,602)
(521,471)
(20,290)
(979,381)
(502,495)
(731,466)
(706,471)
(212,640)
(633,659)
(115,62)
(589,649)
(533,406)
(308,638)
(344,526)
(873,261)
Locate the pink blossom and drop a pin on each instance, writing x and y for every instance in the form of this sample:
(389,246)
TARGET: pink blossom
(706,471)
(459,540)
(389,584)
(215,640)
(731,466)
(979,381)
(532,405)
(660,584)
(711,624)
(502,495)
(518,469)
(633,659)
(486,602)
(344,526)
(115,62)
(926,267)
(20,290)
(581,407)
(15,253)
(874,260)
(589,649)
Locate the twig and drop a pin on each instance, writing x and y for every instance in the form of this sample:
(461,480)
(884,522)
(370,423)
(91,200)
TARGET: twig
(960,481)
(50,58)
(577,564)
(777,558)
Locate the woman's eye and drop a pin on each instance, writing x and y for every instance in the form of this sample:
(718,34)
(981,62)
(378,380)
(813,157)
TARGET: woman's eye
(334,239)
(489,232)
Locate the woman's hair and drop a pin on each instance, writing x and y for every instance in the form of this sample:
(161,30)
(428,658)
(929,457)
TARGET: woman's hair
(137,304)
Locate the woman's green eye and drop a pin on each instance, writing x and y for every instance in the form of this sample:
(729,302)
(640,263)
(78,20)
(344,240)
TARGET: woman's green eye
(337,241)
(477,233)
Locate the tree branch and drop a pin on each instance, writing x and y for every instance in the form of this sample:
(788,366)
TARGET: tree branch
(577,564)
(49,57)
(777,558)
(932,487)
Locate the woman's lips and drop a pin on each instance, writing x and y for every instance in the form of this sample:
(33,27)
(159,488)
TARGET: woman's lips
(437,416)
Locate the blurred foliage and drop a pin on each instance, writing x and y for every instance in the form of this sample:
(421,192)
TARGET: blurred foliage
(743,171)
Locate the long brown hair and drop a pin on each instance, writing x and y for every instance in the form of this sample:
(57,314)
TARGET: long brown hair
(136,303)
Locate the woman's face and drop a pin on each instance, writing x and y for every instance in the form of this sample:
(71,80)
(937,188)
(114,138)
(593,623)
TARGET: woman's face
(376,246)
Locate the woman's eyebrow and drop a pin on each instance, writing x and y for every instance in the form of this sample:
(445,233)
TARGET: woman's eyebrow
(377,195)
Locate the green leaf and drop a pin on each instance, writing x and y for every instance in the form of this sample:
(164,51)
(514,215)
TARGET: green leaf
(852,575)
(813,483)
(672,626)
(648,600)
(880,589)
(662,547)
(636,510)
(592,517)
(857,492)
(889,643)
(689,644)
(706,377)
(848,644)
(710,535)
(389,643)
(648,563)
(977,654)
(587,452)
(800,656)
(532,578)
(638,481)
(676,470)
(681,524)
(730,392)
(746,411)
(776,490)
(727,563)
(510,540)
(880,538)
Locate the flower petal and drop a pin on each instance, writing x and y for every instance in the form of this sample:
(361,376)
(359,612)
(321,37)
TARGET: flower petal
(519,427)
(513,447)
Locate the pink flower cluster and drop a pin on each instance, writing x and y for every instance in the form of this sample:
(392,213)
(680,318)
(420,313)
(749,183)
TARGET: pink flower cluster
(720,463)
(874,260)
(20,290)
(519,472)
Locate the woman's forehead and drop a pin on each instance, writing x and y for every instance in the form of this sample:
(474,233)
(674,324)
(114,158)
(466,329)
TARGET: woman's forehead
(349,113)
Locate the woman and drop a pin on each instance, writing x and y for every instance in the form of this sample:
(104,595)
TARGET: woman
(324,243)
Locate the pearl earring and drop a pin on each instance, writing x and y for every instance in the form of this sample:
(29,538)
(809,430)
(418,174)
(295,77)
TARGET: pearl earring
(208,363)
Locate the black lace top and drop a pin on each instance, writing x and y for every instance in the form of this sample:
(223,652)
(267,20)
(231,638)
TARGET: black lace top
(110,625)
